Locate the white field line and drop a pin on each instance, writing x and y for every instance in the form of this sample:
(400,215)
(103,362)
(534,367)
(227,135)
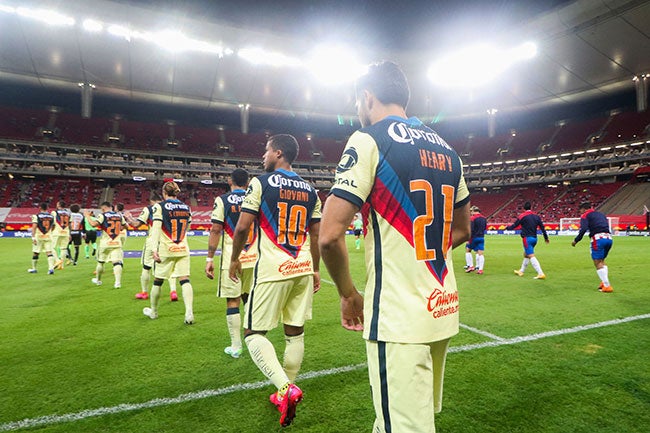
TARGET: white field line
(480,332)
(183,398)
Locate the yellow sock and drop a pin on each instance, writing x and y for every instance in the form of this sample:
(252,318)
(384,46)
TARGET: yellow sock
(294,351)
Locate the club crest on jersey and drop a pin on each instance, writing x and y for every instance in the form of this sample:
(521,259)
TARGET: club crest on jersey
(401,133)
(348,160)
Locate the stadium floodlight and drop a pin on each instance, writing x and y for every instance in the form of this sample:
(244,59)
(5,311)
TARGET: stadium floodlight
(206,181)
(139,178)
(175,41)
(476,65)
(334,64)
(91,25)
(46,16)
(260,56)
(120,32)
(7,9)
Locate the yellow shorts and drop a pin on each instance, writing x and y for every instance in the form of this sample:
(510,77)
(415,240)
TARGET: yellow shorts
(172,267)
(61,241)
(287,299)
(113,255)
(42,245)
(406,382)
(147,255)
(229,289)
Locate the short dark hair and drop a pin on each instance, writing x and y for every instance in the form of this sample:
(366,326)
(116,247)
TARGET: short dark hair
(527,205)
(75,208)
(120,207)
(107,204)
(287,144)
(60,203)
(585,205)
(387,82)
(239,177)
(43,206)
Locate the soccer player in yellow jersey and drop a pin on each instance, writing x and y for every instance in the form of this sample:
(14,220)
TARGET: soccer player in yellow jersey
(287,210)
(227,208)
(123,234)
(61,234)
(146,218)
(417,211)
(110,245)
(42,224)
(171,252)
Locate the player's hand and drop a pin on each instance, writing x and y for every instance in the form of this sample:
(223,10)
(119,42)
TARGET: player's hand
(209,270)
(33,241)
(235,270)
(156,257)
(352,312)
(316,281)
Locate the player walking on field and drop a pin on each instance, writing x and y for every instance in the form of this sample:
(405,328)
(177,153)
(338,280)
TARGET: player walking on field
(76,229)
(418,210)
(476,242)
(529,222)
(357,225)
(601,241)
(146,218)
(61,234)
(42,225)
(227,208)
(171,252)
(110,245)
(288,212)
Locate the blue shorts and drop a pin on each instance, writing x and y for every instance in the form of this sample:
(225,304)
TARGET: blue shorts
(600,248)
(529,245)
(476,244)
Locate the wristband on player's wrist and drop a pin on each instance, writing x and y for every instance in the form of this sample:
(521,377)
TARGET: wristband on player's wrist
(209,259)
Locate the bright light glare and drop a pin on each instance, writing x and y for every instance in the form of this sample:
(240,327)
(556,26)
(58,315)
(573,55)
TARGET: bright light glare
(176,41)
(46,16)
(7,9)
(120,32)
(334,64)
(92,25)
(479,64)
(259,56)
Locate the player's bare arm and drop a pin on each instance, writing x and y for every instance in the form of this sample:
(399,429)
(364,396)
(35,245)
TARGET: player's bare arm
(240,236)
(91,219)
(213,242)
(460,227)
(156,230)
(314,229)
(337,214)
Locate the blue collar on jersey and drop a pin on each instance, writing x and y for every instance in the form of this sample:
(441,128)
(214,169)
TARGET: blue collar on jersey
(414,121)
(238,190)
(287,172)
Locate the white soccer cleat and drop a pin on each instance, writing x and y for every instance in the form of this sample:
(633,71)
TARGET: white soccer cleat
(149,313)
(32,270)
(117,286)
(235,353)
(96,282)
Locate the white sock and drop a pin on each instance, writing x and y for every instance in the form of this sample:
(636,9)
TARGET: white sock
(154,297)
(524,265)
(233,320)
(145,280)
(480,261)
(188,298)
(172,284)
(603,274)
(294,352)
(536,265)
(99,270)
(468,259)
(117,272)
(263,354)
(34,263)
(50,262)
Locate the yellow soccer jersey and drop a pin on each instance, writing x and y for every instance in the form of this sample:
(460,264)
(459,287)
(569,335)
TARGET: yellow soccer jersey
(61,222)
(411,181)
(175,217)
(44,222)
(226,211)
(285,206)
(111,224)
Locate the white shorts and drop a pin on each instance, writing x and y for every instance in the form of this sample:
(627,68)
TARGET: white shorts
(172,267)
(287,299)
(229,289)
(406,382)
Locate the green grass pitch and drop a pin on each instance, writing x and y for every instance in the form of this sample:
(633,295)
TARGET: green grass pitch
(80,358)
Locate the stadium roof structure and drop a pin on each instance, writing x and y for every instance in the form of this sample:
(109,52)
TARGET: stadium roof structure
(585,49)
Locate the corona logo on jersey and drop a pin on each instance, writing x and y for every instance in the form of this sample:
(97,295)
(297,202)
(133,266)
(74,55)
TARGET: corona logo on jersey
(235,199)
(441,303)
(175,206)
(278,181)
(292,267)
(401,133)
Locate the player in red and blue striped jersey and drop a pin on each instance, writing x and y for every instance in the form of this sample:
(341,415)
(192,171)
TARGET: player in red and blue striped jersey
(601,241)
(409,184)
(529,222)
